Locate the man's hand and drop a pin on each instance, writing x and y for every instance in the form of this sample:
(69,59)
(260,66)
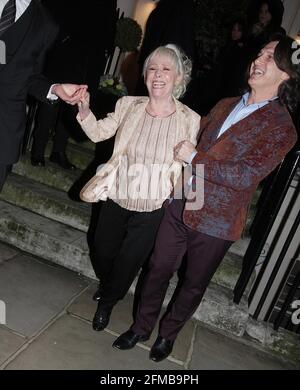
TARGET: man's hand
(183,151)
(69,93)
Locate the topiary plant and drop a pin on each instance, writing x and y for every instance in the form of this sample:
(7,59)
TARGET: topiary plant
(128,34)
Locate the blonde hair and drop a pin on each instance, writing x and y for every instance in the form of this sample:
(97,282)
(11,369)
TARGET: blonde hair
(182,62)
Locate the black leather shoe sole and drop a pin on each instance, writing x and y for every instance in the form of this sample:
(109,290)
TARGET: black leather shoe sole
(128,340)
(161,349)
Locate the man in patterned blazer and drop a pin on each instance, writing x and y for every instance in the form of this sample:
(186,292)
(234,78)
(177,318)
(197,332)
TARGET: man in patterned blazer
(242,140)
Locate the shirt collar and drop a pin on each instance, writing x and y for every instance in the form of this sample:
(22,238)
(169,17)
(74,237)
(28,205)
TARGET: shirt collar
(245,98)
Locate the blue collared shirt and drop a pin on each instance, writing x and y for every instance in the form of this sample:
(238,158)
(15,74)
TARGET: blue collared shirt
(241,111)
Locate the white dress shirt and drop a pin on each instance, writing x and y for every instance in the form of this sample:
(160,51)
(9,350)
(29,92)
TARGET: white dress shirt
(21,6)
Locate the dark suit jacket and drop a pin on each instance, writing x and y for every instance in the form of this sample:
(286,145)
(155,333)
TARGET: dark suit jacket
(235,163)
(26,43)
(86,36)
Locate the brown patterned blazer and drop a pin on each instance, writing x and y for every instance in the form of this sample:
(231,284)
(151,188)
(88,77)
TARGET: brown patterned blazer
(235,163)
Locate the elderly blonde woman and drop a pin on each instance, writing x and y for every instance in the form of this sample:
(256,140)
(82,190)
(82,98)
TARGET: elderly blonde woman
(140,174)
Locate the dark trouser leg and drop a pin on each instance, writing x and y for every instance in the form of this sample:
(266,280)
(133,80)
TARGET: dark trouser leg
(109,235)
(139,240)
(170,247)
(4,169)
(204,255)
(61,135)
(45,120)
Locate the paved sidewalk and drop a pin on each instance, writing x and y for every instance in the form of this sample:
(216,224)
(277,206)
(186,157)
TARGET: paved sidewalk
(48,326)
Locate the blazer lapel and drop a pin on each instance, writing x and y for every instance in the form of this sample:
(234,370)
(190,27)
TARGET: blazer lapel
(16,34)
(133,114)
(209,136)
(239,127)
(180,117)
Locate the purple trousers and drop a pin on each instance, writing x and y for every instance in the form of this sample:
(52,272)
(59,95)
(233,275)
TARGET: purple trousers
(204,254)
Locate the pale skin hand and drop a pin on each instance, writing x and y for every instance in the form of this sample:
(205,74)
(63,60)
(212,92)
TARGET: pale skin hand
(183,151)
(69,93)
(84,105)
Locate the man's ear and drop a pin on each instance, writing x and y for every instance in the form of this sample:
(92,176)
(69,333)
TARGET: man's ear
(284,76)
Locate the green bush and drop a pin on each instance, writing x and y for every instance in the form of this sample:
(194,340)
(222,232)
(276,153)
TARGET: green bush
(128,34)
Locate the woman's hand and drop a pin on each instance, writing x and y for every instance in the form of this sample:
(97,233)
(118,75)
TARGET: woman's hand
(84,105)
(183,151)
(69,93)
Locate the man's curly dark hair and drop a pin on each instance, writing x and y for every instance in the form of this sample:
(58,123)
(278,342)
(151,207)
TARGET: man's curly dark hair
(287,58)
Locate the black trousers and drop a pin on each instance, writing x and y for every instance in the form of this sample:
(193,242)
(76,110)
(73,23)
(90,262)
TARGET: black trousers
(48,118)
(123,242)
(4,171)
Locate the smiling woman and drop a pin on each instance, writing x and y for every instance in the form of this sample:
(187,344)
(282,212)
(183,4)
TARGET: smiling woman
(141,174)
(171,59)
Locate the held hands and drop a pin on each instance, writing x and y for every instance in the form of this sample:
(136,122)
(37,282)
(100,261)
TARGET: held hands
(84,105)
(183,151)
(69,93)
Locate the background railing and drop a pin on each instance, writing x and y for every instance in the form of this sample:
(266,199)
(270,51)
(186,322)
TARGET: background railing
(273,252)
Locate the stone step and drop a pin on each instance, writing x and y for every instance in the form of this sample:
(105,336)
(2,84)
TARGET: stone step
(51,175)
(218,310)
(56,209)
(48,239)
(67,246)
(80,154)
(46,201)
(85,144)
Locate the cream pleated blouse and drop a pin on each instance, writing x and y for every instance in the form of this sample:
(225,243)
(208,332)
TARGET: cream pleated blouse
(143,180)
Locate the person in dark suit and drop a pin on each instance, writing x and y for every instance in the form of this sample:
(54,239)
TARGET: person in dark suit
(26,40)
(242,140)
(77,26)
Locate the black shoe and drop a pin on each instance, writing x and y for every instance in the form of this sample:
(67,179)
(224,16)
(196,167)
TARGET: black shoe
(101,319)
(161,349)
(98,293)
(38,161)
(128,340)
(62,160)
